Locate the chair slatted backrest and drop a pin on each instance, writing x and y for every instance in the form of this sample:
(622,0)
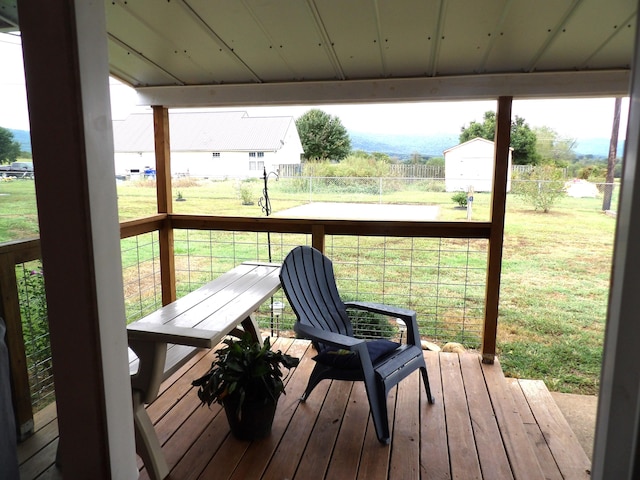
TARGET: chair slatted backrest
(309,283)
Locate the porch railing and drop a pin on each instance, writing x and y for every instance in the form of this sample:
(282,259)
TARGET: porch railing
(437,268)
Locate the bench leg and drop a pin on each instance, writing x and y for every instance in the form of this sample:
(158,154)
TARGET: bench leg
(147,443)
(250,326)
(147,379)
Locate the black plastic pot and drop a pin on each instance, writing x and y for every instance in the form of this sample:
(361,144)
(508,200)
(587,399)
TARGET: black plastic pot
(253,420)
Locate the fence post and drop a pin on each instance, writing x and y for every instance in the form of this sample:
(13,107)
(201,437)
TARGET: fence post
(10,311)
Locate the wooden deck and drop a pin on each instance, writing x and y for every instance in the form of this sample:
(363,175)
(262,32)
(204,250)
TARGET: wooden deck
(482,426)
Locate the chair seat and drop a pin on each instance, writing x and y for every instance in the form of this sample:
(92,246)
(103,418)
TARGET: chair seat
(398,365)
(337,357)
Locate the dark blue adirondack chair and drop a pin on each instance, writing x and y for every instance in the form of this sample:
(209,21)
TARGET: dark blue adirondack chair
(309,284)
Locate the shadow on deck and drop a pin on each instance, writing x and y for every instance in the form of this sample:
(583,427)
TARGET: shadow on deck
(481,426)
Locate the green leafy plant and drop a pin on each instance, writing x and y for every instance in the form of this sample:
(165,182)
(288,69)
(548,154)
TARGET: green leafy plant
(244,369)
(246,193)
(460,198)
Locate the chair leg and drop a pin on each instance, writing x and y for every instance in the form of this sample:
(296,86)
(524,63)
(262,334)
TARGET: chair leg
(377,395)
(317,375)
(427,387)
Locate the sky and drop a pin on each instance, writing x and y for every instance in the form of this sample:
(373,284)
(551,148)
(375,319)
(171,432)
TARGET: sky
(570,118)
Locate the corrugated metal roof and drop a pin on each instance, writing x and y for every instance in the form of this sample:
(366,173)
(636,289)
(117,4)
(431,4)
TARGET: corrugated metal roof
(204,131)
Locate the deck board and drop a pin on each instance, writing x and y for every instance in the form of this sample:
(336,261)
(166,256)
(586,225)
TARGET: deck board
(481,426)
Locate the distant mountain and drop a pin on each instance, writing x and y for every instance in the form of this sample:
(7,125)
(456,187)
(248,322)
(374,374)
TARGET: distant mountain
(23,137)
(403,146)
(598,147)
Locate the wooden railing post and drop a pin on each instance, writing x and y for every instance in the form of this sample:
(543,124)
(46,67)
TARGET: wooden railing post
(10,312)
(165,205)
(317,237)
(496,238)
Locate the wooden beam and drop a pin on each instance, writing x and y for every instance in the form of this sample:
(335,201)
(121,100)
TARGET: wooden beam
(496,240)
(66,71)
(581,84)
(162,140)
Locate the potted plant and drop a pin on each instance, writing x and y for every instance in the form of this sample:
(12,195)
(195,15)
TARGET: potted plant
(246,379)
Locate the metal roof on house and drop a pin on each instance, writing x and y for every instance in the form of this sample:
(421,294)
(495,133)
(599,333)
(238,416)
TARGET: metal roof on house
(204,131)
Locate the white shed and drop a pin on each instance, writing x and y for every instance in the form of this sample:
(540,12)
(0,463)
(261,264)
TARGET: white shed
(470,164)
(209,144)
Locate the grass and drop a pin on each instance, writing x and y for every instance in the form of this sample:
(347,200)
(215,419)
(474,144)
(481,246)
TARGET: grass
(555,274)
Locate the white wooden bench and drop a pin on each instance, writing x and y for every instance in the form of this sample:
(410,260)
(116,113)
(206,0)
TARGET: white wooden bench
(167,338)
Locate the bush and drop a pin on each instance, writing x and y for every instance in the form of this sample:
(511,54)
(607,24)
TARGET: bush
(542,186)
(245,192)
(460,198)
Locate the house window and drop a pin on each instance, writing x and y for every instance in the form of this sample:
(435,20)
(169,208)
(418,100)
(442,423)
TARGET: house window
(256,154)
(253,165)
(252,154)
(215,154)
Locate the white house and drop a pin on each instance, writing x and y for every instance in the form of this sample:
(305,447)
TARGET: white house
(209,144)
(470,164)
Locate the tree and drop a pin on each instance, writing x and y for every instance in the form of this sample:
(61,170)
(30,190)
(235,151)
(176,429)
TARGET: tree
(523,139)
(553,149)
(9,148)
(323,136)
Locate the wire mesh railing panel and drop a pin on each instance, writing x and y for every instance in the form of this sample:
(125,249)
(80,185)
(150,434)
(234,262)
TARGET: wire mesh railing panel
(443,280)
(35,331)
(141,275)
(201,256)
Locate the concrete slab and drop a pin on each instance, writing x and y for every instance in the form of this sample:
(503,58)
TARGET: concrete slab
(580,412)
(361,211)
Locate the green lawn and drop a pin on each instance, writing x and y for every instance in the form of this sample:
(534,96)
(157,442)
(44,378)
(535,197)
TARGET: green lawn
(556,266)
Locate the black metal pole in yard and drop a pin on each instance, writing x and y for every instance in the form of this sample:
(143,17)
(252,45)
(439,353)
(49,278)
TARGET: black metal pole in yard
(265,203)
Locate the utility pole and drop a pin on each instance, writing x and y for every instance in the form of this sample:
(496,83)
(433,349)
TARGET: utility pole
(613,150)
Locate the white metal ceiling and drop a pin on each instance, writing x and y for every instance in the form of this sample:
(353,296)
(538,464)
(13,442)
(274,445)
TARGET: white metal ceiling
(181,43)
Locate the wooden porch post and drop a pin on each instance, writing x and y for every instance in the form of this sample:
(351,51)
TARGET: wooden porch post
(10,312)
(496,239)
(66,69)
(317,237)
(165,205)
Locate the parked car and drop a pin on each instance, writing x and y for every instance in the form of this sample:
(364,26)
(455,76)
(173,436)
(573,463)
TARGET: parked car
(17,170)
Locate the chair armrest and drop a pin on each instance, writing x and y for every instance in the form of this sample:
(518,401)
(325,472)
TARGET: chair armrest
(398,312)
(328,338)
(409,317)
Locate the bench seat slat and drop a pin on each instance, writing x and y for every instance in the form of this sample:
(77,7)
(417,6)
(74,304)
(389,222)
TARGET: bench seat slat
(207,300)
(175,334)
